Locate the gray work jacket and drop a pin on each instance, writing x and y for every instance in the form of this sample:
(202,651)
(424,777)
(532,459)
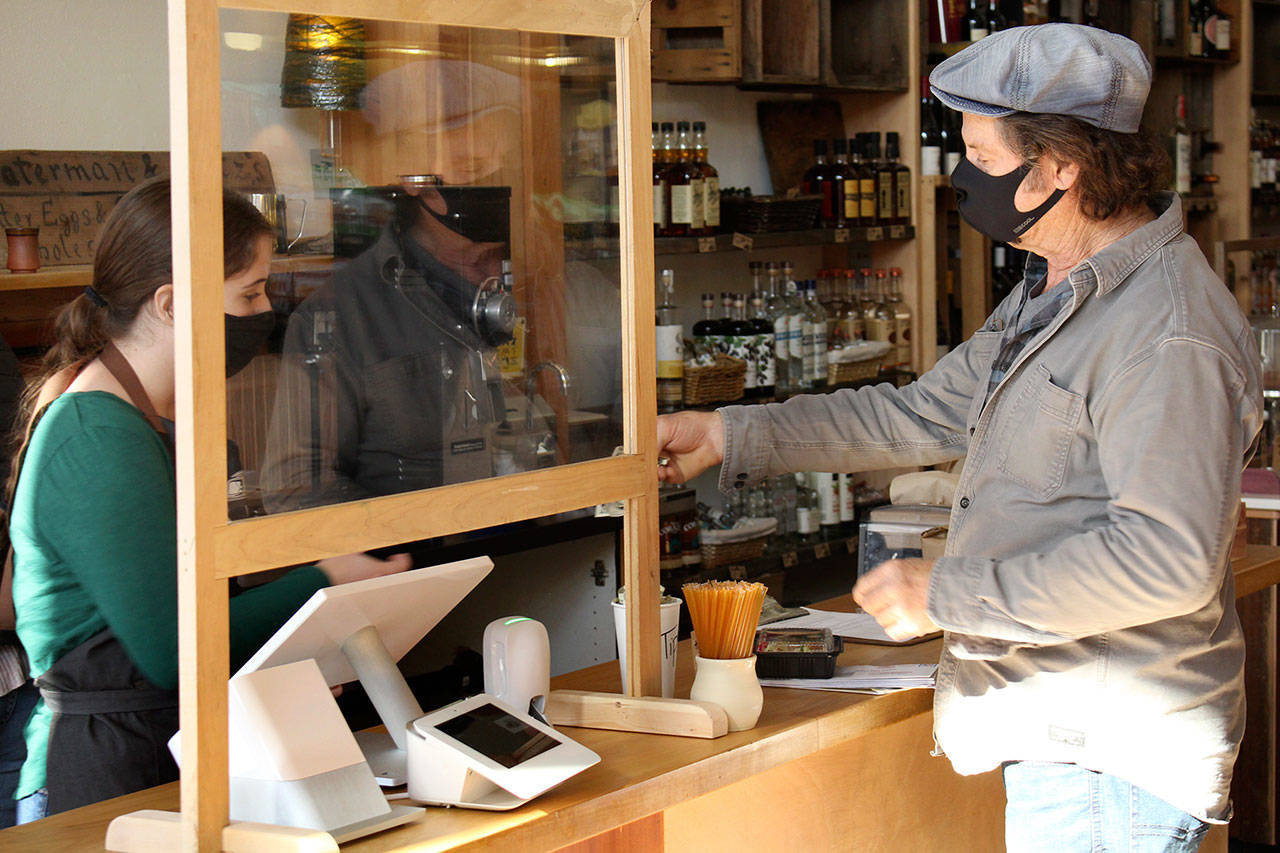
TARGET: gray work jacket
(1085,592)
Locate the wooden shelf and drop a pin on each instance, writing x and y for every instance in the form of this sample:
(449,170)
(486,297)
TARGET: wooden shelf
(1165,55)
(950,48)
(81,275)
(595,248)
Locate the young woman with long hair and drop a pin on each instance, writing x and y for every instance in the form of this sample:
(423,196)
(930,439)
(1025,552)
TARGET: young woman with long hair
(93,521)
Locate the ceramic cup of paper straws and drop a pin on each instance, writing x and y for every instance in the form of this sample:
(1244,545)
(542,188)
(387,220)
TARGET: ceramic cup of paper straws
(724,615)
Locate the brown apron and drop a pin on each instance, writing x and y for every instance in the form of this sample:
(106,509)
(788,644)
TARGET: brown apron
(110,726)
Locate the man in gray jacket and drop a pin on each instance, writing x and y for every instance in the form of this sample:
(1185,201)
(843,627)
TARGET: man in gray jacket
(1105,410)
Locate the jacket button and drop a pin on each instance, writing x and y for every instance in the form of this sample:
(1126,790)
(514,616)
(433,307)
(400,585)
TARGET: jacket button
(964,503)
(738,485)
(742,476)
(970,430)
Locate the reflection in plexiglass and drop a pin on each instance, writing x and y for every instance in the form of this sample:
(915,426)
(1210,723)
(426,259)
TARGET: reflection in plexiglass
(445,289)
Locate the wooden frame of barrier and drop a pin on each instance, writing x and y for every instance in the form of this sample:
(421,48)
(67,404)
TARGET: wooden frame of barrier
(211,550)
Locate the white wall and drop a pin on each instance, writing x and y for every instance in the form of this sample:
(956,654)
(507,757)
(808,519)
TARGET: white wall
(84,75)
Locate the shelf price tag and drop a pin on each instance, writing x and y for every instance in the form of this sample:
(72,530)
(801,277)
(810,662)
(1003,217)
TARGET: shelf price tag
(790,559)
(737,572)
(876,233)
(822,550)
(842,235)
(897,232)
(743,242)
(706,244)
(851,545)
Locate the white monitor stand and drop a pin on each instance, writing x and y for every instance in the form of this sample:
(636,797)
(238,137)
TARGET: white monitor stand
(358,631)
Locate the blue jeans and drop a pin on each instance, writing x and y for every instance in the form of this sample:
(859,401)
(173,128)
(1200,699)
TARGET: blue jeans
(15,709)
(1064,807)
(34,806)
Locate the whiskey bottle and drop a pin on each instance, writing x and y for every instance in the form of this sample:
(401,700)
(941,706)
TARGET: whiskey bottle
(866,181)
(669,344)
(817,181)
(901,181)
(886,200)
(838,176)
(710,180)
(684,181)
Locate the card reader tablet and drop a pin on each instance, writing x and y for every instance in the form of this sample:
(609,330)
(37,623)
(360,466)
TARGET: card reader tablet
(483,753)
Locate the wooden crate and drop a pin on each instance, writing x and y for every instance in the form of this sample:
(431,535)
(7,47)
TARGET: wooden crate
(697,41)
(780,42)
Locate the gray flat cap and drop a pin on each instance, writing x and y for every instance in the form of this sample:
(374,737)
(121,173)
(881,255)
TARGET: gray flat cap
(1063,69)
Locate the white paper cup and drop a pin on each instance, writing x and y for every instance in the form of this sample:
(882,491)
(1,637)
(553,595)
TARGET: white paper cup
(669,625)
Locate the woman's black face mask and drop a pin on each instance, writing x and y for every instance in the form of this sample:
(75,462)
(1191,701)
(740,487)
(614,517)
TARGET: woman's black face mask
(246,337)
(986,201)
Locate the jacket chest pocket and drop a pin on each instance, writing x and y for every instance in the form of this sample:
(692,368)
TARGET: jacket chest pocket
(1039,430)
(983,345)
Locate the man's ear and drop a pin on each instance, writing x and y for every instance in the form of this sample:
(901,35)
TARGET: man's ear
(162,303)
(1063,174)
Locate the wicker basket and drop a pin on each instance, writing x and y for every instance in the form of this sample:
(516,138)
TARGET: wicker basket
(721,382)
(732,552)
(759,213)
(853,371)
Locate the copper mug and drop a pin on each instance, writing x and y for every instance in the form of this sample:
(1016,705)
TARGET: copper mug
(272,206)
(24,249)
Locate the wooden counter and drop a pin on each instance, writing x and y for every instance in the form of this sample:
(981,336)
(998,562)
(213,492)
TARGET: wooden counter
(819,769)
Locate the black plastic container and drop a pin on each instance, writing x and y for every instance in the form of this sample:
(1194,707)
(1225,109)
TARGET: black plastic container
(796,652)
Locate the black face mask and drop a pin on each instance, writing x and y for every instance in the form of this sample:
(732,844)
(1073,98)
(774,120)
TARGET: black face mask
(986,201)
(481,214)
(246,337)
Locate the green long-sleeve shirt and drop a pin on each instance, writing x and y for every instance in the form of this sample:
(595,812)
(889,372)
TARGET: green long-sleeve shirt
(94,533)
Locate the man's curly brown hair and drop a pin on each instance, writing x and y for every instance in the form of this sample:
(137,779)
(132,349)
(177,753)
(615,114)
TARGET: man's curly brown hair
(1118,171)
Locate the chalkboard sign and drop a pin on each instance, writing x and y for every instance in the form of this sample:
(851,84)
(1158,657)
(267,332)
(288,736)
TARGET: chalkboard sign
(68,194)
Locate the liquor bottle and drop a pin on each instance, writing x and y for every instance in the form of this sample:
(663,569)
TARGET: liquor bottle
(901,320)
(885,199)
(901,181)
(808,512)
(995,20)
(866,297)
(954,149)
(709,332)
(829,506)
(776,309)
(866,182)
(684,182)
(1217,31)
(741,337)
(669,343)
(806,335)
(930,135)
(659,184)
(710,180)
(668,157)
(853,322)
(846,505)
(975,22)
(817,181)
(1180,153)
(881,323)
(1195,30)
(795,339)
(817,318)
(836,309)
(838,176)
(763,346)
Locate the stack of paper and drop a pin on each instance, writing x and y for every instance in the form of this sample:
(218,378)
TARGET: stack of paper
(853,626)
(864,679)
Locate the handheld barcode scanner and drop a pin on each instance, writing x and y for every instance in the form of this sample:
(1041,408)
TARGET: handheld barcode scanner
(517,663)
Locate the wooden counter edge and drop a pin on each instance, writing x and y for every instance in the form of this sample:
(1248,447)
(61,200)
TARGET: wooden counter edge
(590,814)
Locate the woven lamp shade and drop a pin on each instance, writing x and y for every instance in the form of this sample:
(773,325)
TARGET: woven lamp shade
(324,65)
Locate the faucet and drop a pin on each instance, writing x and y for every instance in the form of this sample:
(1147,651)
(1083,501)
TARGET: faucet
(528,387)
